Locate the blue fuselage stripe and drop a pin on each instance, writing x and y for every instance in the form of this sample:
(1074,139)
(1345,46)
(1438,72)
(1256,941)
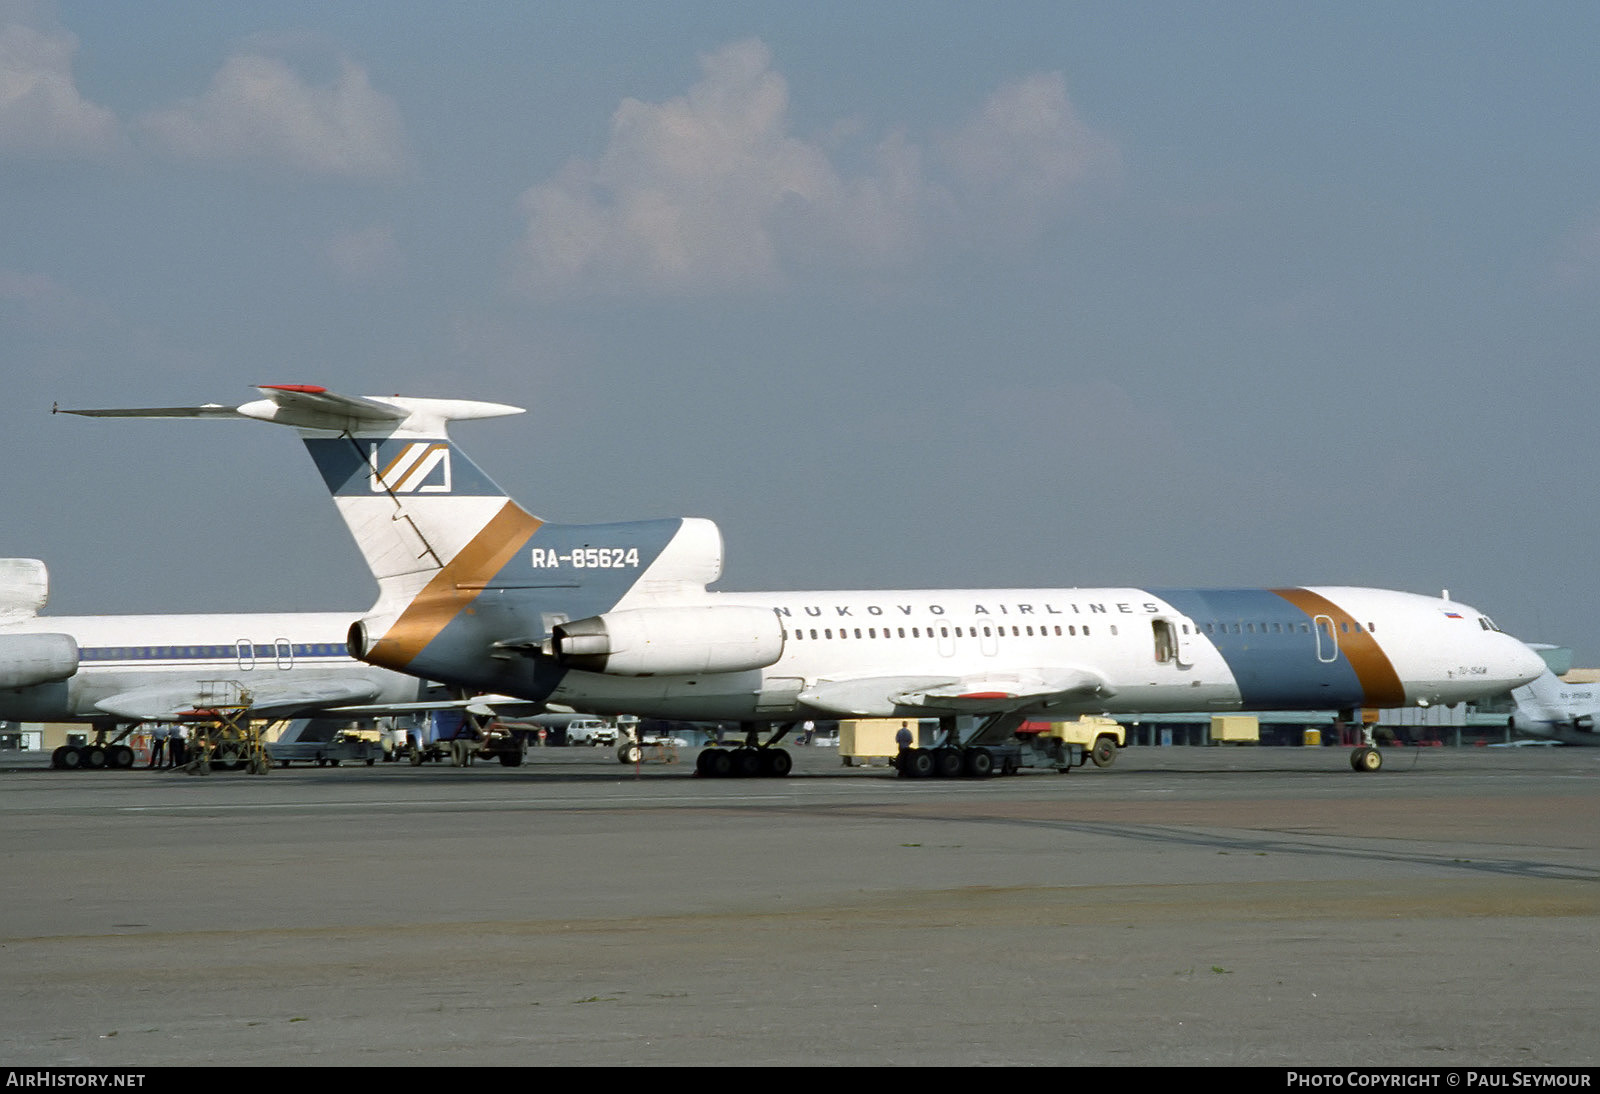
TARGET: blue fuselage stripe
(1270,646)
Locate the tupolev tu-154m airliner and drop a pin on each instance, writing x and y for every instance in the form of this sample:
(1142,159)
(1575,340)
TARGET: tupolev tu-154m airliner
(618,618)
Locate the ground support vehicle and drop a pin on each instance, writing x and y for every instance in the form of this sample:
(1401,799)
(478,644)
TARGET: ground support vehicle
(983,760)
(1101,738)
(343,748)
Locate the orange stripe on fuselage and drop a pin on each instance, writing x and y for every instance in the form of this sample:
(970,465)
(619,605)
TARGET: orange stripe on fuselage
(454,587)
(1374,670)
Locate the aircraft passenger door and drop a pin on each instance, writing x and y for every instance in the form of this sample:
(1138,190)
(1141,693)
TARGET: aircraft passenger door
(247,655)
(285,653)
(1172,646)
(1327,639)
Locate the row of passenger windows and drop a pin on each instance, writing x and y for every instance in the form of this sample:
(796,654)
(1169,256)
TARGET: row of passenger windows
(1277,628)
(1070,630)
(243,651)
(938,632)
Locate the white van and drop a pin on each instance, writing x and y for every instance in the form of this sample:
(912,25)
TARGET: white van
(590,731)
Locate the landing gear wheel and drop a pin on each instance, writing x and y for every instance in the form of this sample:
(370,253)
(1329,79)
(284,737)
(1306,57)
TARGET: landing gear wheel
(776,763)
(746,763)
(980,763)
(947,763)
(120,757)
(630,753)
(1104,753)
(66,758)
(94,757)
(919,763)
(717,763)
(1366,759)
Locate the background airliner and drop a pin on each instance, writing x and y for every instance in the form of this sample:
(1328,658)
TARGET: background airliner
(617,618)
(1553,709)
(115,671)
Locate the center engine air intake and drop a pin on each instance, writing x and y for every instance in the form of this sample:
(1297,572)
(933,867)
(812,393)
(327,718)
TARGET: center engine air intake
(670,641)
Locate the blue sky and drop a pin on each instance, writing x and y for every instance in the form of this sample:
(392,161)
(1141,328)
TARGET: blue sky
(901,295)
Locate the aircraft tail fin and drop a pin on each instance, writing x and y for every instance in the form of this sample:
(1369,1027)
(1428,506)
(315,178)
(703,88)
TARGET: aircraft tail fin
(24,588)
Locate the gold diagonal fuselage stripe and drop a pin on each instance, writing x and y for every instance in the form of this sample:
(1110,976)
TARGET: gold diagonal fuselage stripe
(455,586)
(1374,670)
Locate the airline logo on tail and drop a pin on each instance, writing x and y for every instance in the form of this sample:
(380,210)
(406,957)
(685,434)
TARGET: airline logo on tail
(423,467)
(420,467)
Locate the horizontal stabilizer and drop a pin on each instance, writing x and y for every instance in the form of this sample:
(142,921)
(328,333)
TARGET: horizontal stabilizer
(306,406)
(209,410)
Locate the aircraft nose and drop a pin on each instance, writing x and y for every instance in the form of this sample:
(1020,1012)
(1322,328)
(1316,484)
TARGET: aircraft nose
(1521,664)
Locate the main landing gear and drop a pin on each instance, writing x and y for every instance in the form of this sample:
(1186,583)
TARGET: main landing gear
(113,755)
(753,760)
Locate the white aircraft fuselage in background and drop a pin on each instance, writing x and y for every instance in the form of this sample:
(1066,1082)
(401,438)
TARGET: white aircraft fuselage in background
(161,667)
(112,669)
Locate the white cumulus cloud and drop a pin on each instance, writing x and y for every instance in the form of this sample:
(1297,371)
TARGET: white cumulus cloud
(258,109)
(42,112)
(1024,153)
(711,191)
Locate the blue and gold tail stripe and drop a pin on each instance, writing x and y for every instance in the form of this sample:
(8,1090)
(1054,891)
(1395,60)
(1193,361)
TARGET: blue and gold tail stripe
(366,466)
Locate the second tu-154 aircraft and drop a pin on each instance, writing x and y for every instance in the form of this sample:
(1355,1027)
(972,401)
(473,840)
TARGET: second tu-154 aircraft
(116,672)
(618,618)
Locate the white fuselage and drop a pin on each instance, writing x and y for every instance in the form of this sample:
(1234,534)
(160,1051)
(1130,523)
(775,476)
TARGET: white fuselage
(190,661)
(849,652)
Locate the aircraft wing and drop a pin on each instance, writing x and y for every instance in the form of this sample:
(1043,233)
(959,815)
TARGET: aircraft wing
(167,703)
(867,697)
(484,706)
(885,696)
